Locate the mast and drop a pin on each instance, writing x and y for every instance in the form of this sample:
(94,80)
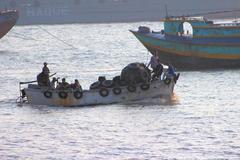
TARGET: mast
(166,10)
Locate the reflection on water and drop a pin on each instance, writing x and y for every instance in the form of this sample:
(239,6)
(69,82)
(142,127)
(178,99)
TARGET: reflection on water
(159,101)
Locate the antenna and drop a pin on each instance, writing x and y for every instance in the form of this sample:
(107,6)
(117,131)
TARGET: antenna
(166,10)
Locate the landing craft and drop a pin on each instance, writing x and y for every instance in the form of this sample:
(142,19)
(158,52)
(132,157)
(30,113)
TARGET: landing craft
(134,83)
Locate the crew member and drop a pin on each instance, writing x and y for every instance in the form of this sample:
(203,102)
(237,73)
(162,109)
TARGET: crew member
(43,80)
(171,71)
(156,66)
(76,85)
(43,77)
(45,68)
(53,83)
(63,84)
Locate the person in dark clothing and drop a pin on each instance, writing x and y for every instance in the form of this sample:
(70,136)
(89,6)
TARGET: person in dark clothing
(63,85)
(43,77)
(171,71)
(76,85)
(45,68)
(157,72)
(43,80)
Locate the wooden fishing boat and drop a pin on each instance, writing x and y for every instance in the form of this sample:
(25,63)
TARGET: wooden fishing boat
(107,93)
(203,44)
(7,20)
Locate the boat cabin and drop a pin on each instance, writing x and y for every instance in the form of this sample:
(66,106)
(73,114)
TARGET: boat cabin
(200,27)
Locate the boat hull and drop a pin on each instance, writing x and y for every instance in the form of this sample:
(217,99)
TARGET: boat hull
(7,21)
(157,88)
(192,55)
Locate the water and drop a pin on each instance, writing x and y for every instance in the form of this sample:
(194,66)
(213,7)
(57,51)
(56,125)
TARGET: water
(201,122)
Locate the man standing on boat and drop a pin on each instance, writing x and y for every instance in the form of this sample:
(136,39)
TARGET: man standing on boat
(43,78)
(46,69)
(156,66)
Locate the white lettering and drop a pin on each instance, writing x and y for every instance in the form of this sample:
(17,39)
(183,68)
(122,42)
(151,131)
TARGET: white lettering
(39,12)
(30,12)
(65,11)
(47,12)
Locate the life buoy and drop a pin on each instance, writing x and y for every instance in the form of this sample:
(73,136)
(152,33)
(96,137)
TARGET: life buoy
(117,91)
(131,88)
(167,81)
(103,92)
(47,94)
(78,94)
(63,95)
(145,86)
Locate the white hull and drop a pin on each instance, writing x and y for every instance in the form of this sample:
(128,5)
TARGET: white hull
(92,97)
(99,11)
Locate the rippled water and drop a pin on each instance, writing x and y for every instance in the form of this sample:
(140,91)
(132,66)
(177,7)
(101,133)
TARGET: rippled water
(201,122)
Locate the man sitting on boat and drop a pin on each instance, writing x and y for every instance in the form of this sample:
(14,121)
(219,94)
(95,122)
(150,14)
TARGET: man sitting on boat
(63,85)
(156,66)
(171,73)
(76,85)
(53,83)
(43,77)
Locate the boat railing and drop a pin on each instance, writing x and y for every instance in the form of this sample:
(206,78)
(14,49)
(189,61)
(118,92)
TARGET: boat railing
(229,24)
(186,18)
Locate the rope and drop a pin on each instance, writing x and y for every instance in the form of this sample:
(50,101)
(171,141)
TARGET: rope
(18,35)
(69,45)
(147,58)
(209,13)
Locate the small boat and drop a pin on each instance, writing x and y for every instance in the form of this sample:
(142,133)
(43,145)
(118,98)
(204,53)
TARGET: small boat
(7,20)
(101,92)
(192,43)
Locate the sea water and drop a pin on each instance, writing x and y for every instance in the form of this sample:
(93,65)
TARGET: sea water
(201,121)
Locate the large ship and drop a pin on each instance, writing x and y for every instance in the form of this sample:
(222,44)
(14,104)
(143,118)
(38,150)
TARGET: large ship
(7,20)
(99,11)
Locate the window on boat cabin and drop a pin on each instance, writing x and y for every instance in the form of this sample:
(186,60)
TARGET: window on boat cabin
(187,28)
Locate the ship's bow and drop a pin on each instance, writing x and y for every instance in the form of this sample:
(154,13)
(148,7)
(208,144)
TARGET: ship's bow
(7,20)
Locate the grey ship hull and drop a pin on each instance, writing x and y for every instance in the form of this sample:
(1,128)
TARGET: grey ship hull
(100,11)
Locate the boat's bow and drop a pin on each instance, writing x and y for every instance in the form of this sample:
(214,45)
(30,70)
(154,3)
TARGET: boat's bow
(141,36)
(7,20)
